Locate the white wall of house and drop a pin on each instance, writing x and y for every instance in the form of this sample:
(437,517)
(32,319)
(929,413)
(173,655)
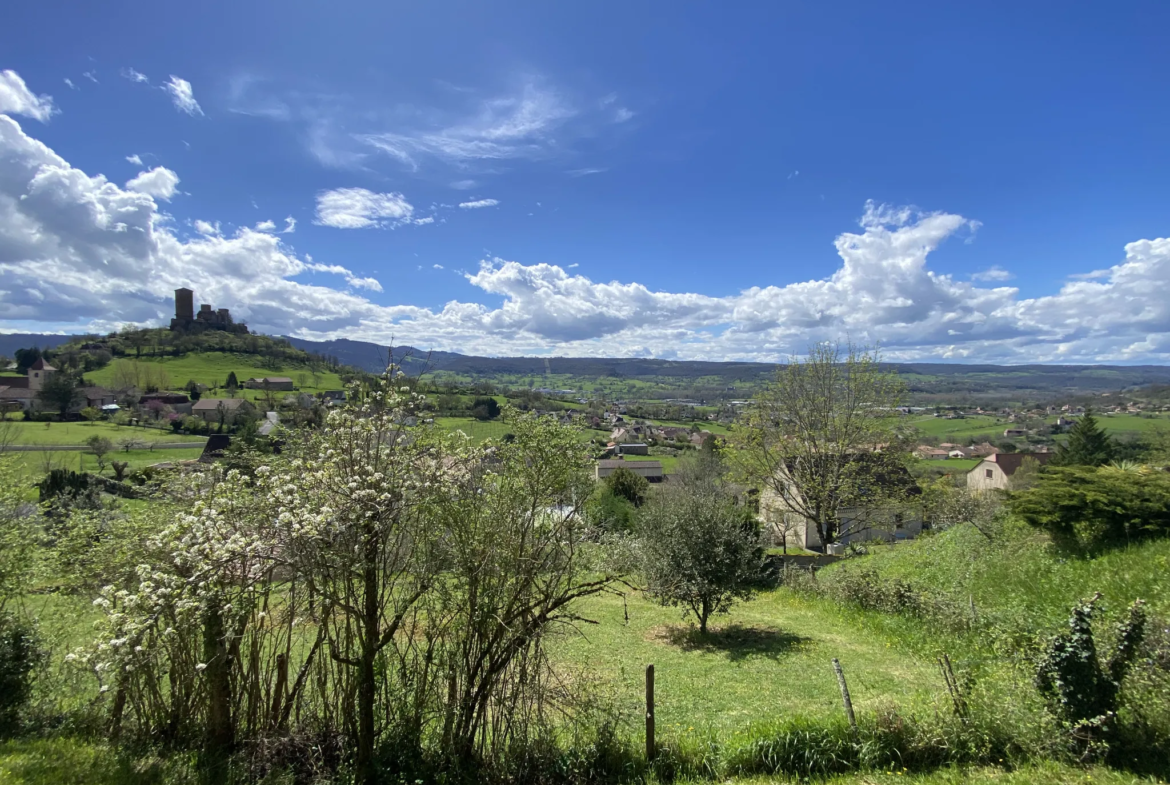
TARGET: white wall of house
(987,476)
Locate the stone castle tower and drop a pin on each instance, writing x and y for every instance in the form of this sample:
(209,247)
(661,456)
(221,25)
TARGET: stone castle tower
(186,319)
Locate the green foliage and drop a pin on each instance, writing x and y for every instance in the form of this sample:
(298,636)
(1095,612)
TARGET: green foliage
(20,655)
(59,392)
(1087,444)
(809,437)
(628,485)
(67,488)
(484,407)
(607,512)
(700,551)
(17,535)
(1082,689)
(90,413)
(1090,508)
(232,383)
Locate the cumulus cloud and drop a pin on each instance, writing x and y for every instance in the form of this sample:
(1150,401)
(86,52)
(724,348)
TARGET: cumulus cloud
(359,208)
(478,203)
(16,98)
(158,182)
(80,253)
(182,96)
(290,225)
(266,226)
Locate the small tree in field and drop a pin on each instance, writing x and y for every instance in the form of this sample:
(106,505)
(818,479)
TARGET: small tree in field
(91,414)
(100,446)
(699,551)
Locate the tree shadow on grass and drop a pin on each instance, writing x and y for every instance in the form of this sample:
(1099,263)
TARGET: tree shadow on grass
(735,641)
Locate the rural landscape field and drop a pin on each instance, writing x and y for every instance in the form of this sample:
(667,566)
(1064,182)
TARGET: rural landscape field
(608,393)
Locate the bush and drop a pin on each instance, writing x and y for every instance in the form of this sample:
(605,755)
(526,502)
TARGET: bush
(1082,689)
(20,655)
(628,485)
(1090,508)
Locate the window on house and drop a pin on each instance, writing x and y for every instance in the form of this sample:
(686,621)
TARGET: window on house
(988,473)
(898,520)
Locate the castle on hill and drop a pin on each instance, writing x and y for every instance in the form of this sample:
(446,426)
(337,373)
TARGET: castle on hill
(187,320)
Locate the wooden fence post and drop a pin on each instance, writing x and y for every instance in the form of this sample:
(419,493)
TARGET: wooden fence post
(650,713)
(845,696)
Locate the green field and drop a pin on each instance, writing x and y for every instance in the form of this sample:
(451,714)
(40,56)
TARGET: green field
(980,427)
(77,433)
(36,463)
(212,369)
(767,659)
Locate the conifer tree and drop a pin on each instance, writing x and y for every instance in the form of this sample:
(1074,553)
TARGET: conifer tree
(1087,444)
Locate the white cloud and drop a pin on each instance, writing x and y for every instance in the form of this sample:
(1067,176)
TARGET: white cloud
(266,226)
(183,96)
(585,171)
(72,86)
(91,76)
(135,159)
(16,98)
(359,208)
(135,76)
(290,225)
(479,203)
(993,273)
(464,185)
(437,266)
(80,253)
(515,126)
(622,115)
(159,182)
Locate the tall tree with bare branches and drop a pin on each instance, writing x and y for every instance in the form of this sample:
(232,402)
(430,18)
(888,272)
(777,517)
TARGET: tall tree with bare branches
(822,437)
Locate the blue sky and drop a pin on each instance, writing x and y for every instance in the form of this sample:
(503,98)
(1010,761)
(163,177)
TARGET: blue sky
(661,179)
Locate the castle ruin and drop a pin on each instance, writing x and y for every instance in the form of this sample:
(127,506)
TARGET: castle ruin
(187,320)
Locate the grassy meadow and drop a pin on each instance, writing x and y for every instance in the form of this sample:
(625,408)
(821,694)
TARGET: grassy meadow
(76,433)
(212,369)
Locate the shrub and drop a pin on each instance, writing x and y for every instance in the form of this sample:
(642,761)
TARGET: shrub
(20,654)
(1081,689)
(1094,507)
(628,485)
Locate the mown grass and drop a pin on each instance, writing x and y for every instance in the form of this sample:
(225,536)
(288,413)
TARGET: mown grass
(77,433)
(767,659)
(35,463)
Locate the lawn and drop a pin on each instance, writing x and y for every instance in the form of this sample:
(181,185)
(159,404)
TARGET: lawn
(36,463)
(767,659)
(212,369)
(78,433)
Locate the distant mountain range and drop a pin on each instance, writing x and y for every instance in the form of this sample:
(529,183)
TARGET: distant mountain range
(930,378)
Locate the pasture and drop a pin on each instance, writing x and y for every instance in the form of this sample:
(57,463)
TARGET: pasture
(76,433)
